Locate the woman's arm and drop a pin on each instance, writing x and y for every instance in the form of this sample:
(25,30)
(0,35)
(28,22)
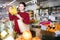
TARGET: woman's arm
(26,20)
(10,17)
(19,16)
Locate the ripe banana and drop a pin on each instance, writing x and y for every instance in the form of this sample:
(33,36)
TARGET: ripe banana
(13,10)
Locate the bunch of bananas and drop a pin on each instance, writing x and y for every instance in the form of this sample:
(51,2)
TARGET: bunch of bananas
(13,10)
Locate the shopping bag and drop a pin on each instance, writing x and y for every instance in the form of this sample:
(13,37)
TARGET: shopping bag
(22,26)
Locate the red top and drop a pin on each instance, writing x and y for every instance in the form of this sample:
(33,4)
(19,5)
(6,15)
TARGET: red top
(14,18)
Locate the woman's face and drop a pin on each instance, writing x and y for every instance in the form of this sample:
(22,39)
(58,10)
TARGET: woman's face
(21,7)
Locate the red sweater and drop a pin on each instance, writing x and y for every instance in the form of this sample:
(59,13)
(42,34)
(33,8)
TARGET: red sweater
(14,18)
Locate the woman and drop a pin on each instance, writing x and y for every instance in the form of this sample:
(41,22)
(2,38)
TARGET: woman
(21,15)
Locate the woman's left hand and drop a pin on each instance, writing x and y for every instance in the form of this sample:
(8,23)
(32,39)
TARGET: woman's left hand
(19,17)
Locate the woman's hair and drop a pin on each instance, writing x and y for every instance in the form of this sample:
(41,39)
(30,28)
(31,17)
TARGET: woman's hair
(23,4)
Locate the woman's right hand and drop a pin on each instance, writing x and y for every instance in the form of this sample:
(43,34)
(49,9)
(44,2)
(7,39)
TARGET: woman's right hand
(7,7)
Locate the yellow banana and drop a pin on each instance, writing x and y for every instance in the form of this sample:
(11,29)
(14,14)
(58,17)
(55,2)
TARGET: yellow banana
(13,10)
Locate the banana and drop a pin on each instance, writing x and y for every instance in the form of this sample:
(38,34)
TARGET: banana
(13,10)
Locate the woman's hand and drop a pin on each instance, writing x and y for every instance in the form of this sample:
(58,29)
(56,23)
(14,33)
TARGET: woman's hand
(19,17)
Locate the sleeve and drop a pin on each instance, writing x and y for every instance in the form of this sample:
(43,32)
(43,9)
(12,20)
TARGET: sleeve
(10,16)
(27,19)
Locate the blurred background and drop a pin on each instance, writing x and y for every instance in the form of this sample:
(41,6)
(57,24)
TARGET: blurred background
(44,17)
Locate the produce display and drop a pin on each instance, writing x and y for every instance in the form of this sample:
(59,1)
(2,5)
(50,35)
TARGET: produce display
(6,28)
(27,36)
